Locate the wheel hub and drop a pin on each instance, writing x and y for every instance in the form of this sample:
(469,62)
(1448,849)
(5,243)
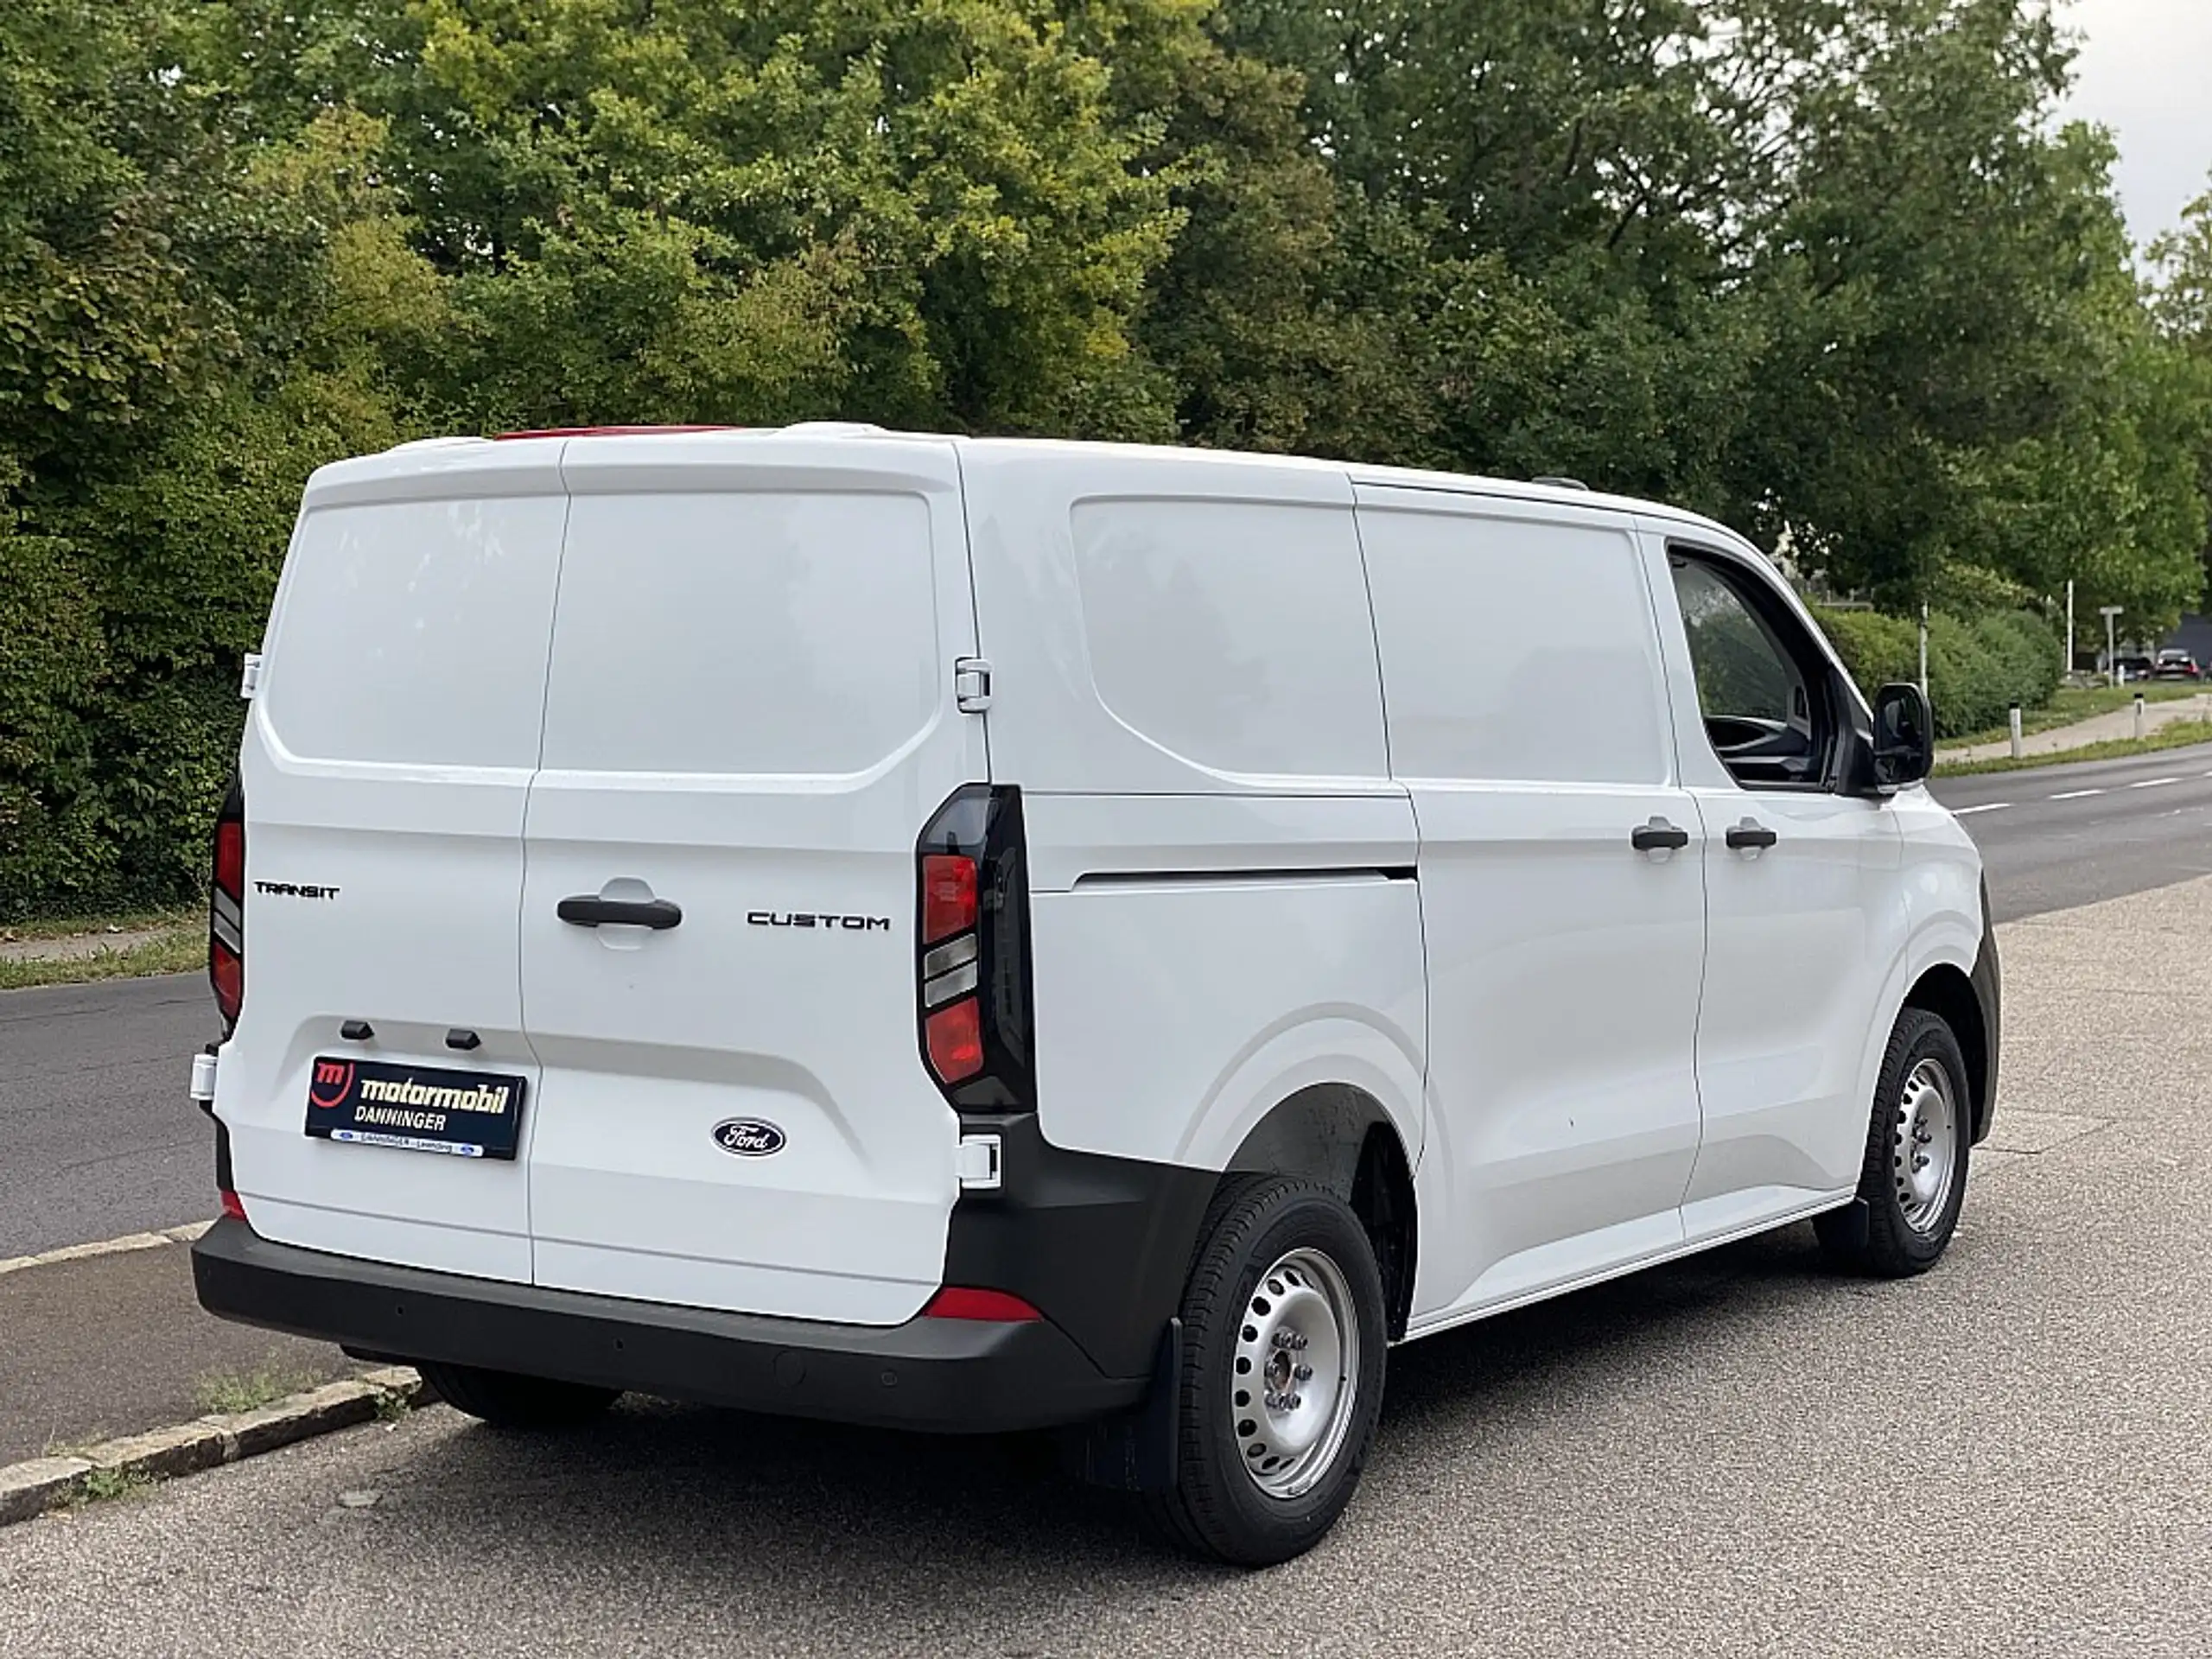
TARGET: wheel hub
(1923,1151)
(1294,1373)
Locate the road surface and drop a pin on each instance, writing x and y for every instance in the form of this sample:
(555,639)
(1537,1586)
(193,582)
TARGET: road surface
(2052,837)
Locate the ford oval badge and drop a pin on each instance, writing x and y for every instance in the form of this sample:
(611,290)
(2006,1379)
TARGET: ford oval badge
(748,1137)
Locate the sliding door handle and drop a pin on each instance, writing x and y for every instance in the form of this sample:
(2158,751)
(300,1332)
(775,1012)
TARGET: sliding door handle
(589,909)
(1658,836)
(1748,834)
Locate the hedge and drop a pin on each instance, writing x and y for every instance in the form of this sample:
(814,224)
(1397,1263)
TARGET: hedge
(1978,666)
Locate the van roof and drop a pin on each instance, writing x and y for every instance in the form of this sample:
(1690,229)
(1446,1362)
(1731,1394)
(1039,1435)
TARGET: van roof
(542,447)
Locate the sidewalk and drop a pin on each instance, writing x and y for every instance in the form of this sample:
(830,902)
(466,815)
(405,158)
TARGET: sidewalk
(2098,729)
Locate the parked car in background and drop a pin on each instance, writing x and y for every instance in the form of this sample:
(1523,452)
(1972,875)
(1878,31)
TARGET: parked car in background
(2132,665)
(2175,664)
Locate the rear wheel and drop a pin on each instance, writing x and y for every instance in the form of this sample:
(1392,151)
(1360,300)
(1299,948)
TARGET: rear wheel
(507,1400)
(1913,1182)
(1283,1338)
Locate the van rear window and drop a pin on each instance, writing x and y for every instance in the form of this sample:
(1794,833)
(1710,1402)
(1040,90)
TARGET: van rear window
(742,633)
(415,633)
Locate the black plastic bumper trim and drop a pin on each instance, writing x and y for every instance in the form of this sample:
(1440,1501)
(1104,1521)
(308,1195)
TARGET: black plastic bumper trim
(947,1376)
(1988,980)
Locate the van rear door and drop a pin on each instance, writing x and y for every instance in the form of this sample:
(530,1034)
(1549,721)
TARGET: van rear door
(384,768)
(749,718)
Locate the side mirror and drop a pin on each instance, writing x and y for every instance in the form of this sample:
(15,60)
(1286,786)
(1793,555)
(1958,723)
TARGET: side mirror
(1905,737)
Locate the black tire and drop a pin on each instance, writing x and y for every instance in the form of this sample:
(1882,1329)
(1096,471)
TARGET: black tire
(507,1400)
(1218,1509)
(1880,1234)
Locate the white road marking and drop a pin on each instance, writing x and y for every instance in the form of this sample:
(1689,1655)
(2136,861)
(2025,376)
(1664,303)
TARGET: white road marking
(2081,794)
(183,1234)
(2153,783)
(1992,806)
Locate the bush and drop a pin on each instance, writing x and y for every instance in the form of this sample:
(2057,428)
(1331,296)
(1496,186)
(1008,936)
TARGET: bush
(1978,667)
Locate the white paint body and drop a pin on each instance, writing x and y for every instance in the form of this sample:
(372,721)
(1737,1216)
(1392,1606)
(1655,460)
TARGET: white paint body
(1309,800)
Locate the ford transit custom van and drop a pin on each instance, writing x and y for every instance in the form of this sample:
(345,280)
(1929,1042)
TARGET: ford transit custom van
(978,935)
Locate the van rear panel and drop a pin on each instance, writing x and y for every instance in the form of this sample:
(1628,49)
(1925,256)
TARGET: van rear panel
(712,671)
(749,717)
(385,768)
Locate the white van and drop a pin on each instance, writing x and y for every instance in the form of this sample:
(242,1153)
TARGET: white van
(984,935)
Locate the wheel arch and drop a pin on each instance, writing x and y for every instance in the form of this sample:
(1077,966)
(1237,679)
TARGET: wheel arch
(1947,992)
(1339,1136)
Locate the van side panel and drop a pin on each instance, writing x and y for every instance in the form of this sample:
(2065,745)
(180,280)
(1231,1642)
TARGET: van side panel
(1563,963)
(1220,868)
(384,766)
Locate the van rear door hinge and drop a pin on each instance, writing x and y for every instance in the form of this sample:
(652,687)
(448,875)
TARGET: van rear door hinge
(979,1163)
(972,685)
(249,675)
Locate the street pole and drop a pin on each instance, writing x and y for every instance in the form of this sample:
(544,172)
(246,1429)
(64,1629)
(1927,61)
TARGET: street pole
(2068,668)
(1923,648)
(2111,645)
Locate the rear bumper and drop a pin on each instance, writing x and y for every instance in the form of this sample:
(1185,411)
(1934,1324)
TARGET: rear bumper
(956,1376)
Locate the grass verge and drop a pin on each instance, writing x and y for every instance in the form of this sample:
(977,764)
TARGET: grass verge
(120,921)
(226,1394)
(2179,735)
(183,948)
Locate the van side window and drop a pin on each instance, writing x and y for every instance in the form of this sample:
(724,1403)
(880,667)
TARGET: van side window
(1761,691)
(1515,650)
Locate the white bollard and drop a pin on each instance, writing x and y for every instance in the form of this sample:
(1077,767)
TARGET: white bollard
(2138,713)
(2016,731)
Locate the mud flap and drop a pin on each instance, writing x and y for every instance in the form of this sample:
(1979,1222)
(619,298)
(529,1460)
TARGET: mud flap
(1134,1451)
(1853,1224)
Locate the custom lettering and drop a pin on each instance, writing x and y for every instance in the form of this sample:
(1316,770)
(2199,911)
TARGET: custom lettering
(817,918)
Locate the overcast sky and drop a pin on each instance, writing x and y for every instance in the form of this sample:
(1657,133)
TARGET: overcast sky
(2145,72)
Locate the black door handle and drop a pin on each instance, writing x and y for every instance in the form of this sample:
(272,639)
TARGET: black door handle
(589,909)
(1656,834)
(1748,834)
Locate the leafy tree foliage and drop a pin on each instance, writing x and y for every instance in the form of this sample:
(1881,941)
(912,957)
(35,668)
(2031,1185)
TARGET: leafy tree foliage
(1828,269)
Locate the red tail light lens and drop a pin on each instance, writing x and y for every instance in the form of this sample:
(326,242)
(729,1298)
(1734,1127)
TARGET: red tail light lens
(959,1302)
(230,857)
(226,972)
(947,896)
(231,1206)
(956,1041)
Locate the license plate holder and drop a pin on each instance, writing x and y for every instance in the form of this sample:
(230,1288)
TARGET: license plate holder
(415,1108)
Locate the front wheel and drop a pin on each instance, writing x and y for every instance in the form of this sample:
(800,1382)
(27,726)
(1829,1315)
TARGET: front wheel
(1283,1339)
(1913,1182)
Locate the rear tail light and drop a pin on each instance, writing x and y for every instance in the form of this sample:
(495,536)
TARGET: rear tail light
(226,910)
(232,1207)
(972,968)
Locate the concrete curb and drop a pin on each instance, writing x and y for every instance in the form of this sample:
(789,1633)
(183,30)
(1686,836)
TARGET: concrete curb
(43,1484)
(183,1234)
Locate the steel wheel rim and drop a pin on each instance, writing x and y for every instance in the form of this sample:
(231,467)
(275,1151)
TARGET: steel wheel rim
(1924,1148)
(1294,1375)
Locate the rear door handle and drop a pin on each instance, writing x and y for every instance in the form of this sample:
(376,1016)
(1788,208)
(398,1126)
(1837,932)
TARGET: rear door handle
(589,910)
(1748,834)
(1658,836)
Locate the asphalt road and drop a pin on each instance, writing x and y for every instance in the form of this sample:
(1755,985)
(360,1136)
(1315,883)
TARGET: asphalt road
(1741,1454)
(97,1139)
(2056,836)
